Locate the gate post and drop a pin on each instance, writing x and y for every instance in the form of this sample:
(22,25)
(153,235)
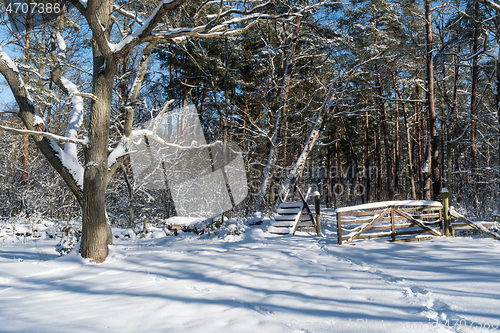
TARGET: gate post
(446,208)
(318,218)
(393,226)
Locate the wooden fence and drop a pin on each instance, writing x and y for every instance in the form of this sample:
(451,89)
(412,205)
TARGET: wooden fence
(405,218)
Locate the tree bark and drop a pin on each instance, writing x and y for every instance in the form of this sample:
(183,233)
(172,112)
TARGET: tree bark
(396,148)
(473,94)
(385,131)
(434,167)
(409,152)
(366,150)
(94,225)
(329,183)
(95,228)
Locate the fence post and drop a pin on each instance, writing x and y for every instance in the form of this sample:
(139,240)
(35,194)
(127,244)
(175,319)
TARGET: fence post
(339,229)
(446,208)
(144,229)
(393,225)
(318,217)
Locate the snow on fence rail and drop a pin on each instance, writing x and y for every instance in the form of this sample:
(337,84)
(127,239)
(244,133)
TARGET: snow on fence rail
(409,217)
(481,226)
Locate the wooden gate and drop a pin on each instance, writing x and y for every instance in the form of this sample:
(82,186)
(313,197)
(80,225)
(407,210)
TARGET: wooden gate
(405,218)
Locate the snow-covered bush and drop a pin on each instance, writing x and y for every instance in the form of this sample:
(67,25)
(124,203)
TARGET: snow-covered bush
(70,237)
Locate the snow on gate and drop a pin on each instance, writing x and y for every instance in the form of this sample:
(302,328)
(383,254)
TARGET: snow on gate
(390,219)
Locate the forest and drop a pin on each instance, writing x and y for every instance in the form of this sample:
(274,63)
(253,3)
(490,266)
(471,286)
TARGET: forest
(361,100)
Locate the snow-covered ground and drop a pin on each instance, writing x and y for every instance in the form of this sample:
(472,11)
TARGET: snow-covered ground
(256,282)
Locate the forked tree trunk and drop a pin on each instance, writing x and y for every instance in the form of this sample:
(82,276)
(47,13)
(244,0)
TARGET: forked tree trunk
(95,229)
(96,232)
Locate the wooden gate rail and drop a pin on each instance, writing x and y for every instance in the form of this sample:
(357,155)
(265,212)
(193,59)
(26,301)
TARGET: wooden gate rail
(411,217)
(481,226)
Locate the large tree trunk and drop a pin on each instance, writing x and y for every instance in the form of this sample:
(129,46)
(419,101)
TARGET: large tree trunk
(366,154)
(396,148)
(434,167)
(409,152)
(329,183)
(385,131)
(417,134)
(96,233)
(473,93)
(497,95)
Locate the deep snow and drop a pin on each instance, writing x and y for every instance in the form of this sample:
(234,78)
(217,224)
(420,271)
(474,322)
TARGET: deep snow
(256,282)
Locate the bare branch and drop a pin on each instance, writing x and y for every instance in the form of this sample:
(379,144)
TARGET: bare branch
(490,4)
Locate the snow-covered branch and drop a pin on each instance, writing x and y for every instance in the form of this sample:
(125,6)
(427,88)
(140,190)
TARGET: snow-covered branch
(127,13)
(217,26)
(81,94)
(44,134)
(75,118)
(145,30)
(151,134)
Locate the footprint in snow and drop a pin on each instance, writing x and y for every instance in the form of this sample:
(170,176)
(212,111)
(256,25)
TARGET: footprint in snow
(205,290)
(262,311)
(429,306)
(419,290)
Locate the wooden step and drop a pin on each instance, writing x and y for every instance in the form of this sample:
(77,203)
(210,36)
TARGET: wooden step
(305,224)
(288,211)
(297,204)
(307,229)
(304,217)
(283,224)
(279,230)
(291,223)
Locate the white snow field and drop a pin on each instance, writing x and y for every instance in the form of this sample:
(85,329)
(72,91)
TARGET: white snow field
(256,282)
